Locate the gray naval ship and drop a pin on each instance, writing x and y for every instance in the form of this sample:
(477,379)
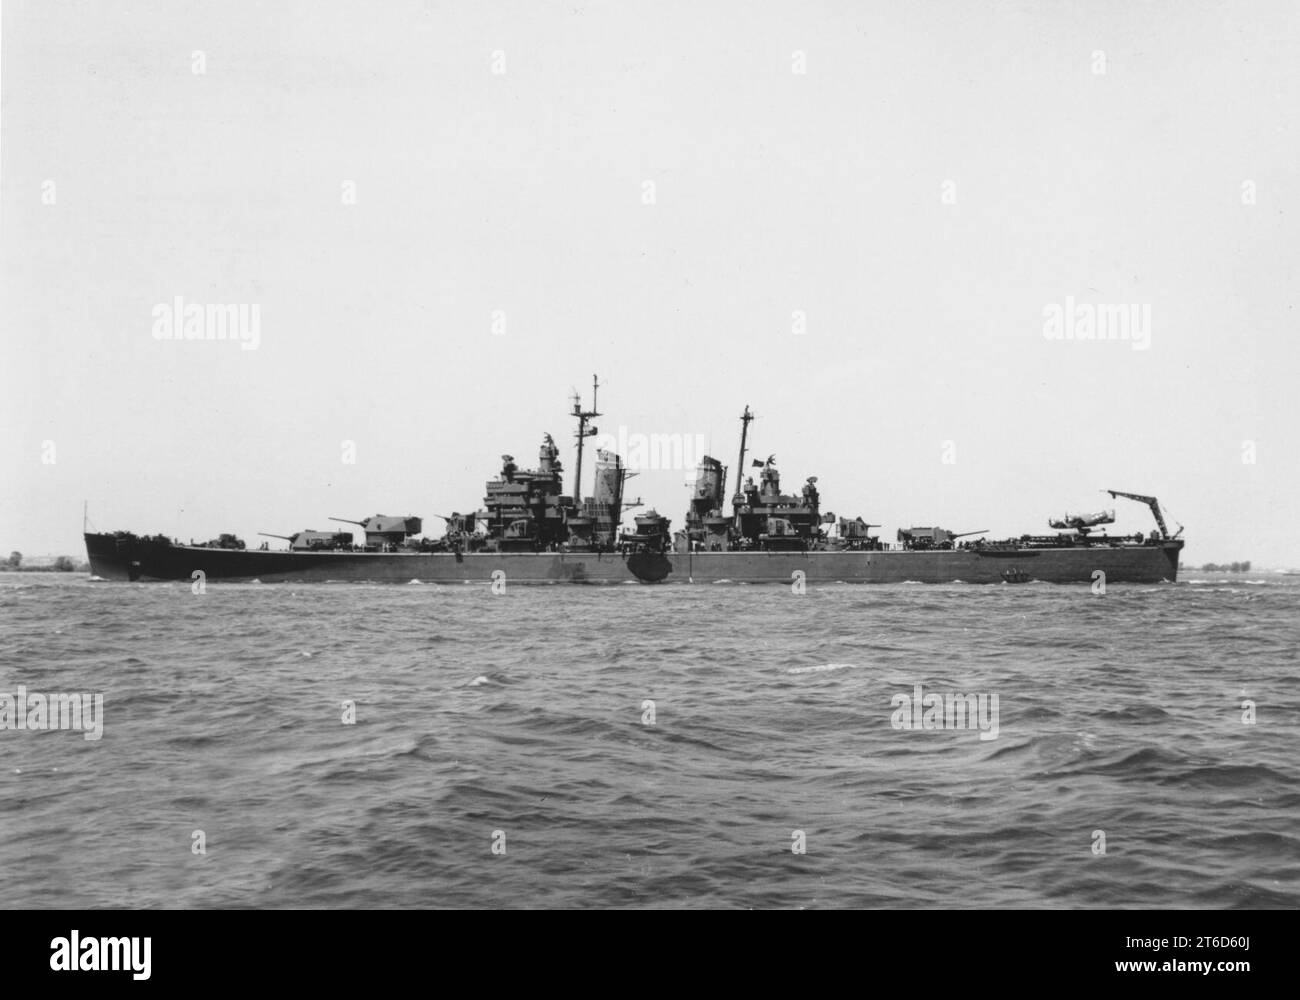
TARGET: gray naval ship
(530,531)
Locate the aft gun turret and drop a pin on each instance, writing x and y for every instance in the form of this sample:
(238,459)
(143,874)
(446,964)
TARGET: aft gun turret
(932,538)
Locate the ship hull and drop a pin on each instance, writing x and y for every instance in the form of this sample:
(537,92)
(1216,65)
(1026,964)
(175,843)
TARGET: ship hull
(113,558)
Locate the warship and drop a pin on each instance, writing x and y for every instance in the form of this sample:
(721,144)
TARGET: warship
(528,530)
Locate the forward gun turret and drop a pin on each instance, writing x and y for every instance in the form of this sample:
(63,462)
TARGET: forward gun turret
(384,530)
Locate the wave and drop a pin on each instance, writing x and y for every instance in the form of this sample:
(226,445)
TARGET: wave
(820,669)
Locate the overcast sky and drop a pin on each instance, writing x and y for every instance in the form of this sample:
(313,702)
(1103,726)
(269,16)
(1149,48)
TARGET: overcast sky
(857,218)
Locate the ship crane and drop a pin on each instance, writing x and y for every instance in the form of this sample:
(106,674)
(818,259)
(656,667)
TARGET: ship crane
(1155,509)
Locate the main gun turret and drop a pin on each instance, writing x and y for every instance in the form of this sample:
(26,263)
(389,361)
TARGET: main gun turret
(385,530)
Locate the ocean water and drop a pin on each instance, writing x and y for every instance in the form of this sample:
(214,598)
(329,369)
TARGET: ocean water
(503,752)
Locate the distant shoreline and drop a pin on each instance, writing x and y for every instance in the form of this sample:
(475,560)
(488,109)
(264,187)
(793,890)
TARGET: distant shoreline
(76,568)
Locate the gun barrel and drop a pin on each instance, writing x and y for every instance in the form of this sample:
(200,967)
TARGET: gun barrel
(359,524)
(267,534)
(982,531)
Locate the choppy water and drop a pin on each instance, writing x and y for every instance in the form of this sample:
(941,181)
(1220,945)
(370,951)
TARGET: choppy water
(523,713)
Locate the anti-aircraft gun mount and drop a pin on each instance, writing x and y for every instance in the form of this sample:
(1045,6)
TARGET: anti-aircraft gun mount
(856,534)
(781,536)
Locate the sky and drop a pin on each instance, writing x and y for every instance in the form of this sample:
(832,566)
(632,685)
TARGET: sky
(856,218)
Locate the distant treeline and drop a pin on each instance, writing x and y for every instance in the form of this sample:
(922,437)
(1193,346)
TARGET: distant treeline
(1237,567)
(63,564)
